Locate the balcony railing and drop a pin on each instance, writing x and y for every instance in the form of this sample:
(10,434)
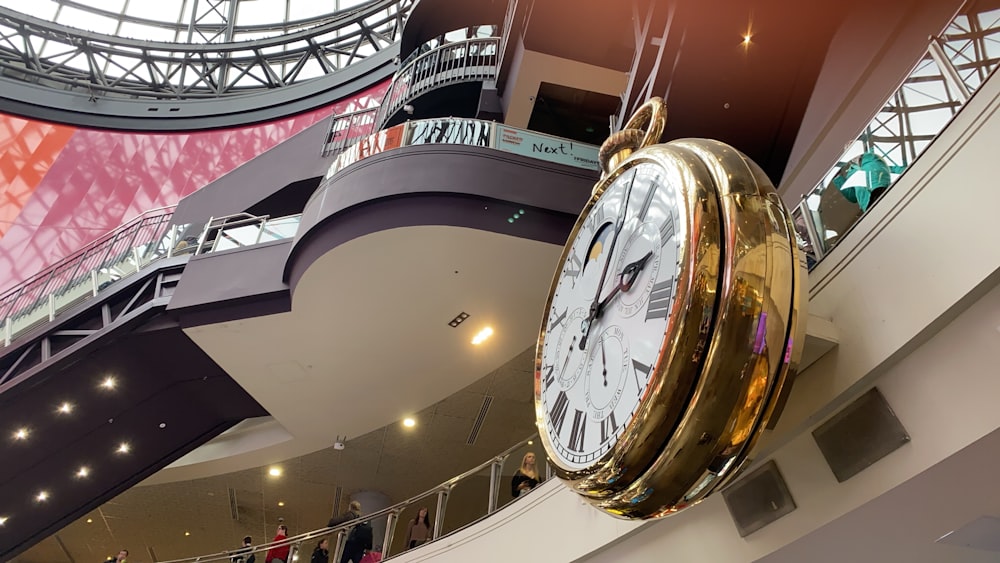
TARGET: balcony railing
(461,61)
(123,252)
(956,63)
(477,492)
(470,132)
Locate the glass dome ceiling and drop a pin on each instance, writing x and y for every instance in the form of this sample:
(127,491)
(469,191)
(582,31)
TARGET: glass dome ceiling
(93,58)
(183,21)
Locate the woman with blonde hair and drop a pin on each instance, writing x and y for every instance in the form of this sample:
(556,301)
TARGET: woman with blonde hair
(526,477)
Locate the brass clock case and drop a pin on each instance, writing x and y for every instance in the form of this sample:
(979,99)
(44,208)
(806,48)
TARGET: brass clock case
(733,338)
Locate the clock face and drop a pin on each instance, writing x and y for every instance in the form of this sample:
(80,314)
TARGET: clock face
(608,319)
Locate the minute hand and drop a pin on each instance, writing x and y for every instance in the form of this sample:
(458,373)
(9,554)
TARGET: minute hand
(604,273)
(625,281)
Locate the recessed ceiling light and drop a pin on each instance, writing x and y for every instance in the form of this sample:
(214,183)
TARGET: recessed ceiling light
(109,382)
(123,448)
(187,533)
(3,520)
(42,496)
(281,503)
(90,520)
(274,472)
(21,434)
(84,471)
(482,335)
(409,422)
(65,408)
(531,442)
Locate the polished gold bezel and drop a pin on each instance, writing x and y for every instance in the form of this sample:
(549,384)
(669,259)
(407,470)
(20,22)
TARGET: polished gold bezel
(675,373)
(747,363)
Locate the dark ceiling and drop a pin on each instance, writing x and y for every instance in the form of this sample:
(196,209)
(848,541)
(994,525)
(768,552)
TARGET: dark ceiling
(167,398)
(752,96)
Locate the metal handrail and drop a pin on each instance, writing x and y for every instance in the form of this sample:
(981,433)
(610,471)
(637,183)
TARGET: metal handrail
(165,211)
(42,296)
(461,61)
(395,509)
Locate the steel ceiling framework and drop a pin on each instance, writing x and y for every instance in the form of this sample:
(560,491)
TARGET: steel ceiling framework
(103,65)
(70,67)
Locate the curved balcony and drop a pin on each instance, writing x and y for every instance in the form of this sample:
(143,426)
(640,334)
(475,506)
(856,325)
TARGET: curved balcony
(471,60)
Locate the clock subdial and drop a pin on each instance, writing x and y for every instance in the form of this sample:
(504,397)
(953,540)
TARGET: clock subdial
(565,361)
(642,248)
(606,373)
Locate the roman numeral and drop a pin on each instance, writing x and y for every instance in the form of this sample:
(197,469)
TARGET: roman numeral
(608,427)
(576,433)
(558,320)
(637,367)
(649,199)
(558,413)
(659,299)
(573,266)
(667,230)
(549,378)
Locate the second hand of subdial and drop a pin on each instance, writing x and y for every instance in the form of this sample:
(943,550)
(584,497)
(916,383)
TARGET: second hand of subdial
(562,372)
(604,363)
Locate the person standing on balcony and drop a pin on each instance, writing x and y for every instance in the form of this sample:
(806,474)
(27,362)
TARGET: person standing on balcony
(359,543)
(120,558)
(243,555)
(278,554)
(322,552)
(420,529)
(525,478)
(353,512)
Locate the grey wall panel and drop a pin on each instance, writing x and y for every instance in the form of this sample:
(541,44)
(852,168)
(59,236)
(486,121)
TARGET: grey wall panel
(296,159)
(232,284)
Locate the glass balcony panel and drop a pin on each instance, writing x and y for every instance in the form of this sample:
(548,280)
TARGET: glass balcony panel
(281,228)
(236,237)
(467,502)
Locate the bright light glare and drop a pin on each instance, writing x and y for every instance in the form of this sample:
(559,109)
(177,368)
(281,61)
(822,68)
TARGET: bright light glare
(274,472)
(42,496)
(409,422)
(65,408)
(482,335)
(109,382)
(3,520)
(123,448)
(21,434)
(83,472)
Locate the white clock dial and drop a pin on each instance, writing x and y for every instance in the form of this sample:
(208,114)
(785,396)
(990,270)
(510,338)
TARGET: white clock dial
(600,345)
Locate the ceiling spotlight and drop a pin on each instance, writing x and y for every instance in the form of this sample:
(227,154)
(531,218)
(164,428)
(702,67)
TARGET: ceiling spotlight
(409,422)
(109,382)
(65,408)
(482,335)
(274,472)
(187,533)
(281,503)
(42,496)
(83,472)
(90,520)
(531,442)
(123,448)
(746,39)
(3,520)
(21,434)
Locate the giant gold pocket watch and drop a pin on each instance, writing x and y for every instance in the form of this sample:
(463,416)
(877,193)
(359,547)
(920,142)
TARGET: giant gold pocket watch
(673,324)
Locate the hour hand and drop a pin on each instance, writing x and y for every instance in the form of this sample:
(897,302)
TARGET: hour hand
(625,281)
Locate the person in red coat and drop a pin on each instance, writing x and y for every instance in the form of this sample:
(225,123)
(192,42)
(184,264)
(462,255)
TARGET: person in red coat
(278,554)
